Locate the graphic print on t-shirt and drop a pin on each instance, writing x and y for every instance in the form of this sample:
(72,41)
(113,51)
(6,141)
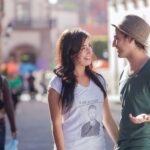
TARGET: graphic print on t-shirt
(92,126)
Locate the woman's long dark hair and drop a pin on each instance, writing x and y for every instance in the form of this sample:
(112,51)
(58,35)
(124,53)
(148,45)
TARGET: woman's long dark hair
(68,47)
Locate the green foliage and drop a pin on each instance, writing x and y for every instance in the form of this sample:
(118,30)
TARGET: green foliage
(70,6)
(100,47)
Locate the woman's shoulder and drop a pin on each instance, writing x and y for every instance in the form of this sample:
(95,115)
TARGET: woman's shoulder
(100,76)
(55,78)
(101,79)
(55,83)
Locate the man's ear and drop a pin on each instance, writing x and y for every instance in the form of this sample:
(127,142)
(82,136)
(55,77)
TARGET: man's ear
(130,39)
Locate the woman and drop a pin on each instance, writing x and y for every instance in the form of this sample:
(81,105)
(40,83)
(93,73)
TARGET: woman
(77,97)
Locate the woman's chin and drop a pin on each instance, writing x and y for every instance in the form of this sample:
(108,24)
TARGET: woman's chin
(88,64)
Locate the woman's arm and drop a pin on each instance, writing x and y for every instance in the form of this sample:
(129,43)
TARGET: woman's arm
(109,122)
(56,117)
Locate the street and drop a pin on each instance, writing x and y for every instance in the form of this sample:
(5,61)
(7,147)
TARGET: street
(33,125)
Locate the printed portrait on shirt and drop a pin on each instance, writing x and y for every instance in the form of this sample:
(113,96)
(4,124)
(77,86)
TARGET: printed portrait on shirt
(92,126)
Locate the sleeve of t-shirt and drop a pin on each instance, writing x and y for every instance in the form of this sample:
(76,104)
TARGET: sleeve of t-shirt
(56,84)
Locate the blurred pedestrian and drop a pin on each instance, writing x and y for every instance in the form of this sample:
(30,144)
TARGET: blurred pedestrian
(31,86)
(43,83)
(16,84)
(6,106)
(72,91)
(131,43)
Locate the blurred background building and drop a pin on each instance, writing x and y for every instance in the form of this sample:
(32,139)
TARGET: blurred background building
(31,29)
(1,18)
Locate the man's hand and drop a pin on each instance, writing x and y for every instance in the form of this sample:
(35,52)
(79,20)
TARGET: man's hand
(142,118)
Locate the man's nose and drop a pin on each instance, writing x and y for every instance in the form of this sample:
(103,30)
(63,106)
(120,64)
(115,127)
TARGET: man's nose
(114,43)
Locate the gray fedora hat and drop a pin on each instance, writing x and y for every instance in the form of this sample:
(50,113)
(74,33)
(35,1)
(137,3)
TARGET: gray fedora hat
(135,27)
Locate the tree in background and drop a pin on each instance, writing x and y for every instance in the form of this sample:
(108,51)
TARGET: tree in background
(100,47)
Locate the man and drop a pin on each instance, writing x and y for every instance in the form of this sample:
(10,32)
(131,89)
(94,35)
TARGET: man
(92,127)
(131,43)
(6,105)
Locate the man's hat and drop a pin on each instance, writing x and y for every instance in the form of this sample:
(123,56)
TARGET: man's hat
(135,27)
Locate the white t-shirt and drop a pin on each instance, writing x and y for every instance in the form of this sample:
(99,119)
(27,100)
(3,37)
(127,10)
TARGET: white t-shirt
(82,125)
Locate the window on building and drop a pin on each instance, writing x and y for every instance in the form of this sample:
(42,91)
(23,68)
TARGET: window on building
(1,7)
(23,10)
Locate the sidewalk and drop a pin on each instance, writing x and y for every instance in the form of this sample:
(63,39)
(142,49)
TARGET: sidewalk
(33,125)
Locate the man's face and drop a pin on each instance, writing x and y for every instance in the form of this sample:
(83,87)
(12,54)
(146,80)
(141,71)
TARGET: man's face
(121,43)
(92,114)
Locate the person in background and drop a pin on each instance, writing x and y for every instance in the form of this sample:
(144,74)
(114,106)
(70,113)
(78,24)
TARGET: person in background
(31,85)
(6,107)
(16,85)
(130,40)
(43,83)
(72,91)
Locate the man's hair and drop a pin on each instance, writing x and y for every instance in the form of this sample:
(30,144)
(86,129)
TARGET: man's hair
(139,45)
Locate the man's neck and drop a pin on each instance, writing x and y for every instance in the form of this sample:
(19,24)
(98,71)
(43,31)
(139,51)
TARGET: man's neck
(137,61)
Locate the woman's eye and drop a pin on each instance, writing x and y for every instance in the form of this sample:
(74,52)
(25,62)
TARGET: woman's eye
(83,48)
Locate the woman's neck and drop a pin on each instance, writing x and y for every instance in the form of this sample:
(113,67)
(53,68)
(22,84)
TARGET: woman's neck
(81,76)
(79,71)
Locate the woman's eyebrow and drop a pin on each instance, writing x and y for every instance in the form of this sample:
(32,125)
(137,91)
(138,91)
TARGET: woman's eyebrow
(83,45)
